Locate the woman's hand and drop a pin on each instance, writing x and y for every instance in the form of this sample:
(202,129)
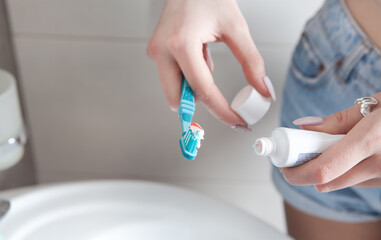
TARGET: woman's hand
(179,45)
(353,161)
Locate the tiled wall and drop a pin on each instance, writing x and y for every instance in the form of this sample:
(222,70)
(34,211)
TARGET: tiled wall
(97,109)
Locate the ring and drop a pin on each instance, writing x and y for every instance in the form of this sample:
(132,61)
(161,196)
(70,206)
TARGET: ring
(366,104)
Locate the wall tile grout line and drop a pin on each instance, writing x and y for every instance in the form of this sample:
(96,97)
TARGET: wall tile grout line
(67,37)
(115,39)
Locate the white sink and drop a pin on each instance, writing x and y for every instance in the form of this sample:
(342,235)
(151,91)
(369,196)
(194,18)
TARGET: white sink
(120,210)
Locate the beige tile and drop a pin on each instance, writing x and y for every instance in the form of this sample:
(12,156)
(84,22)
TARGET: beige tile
(270,21)
(98,107)
(110,18)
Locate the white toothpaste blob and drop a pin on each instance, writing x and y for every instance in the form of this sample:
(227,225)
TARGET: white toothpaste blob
(250,105)
(198,133)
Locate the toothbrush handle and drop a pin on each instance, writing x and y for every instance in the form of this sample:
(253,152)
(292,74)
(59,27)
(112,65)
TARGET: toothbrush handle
(187,106)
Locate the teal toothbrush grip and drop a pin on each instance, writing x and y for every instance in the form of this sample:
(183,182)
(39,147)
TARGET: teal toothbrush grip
(186,109)
(187,106)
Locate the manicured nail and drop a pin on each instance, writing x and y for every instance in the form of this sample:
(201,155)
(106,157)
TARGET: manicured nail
(308,121)
(270,87)
(241,128)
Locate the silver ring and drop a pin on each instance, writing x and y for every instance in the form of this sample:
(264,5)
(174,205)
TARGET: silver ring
(366,104)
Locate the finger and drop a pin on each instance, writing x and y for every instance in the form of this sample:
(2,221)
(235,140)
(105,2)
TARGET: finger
(208,57)
(239,40)
(335,161)
(365,170)
(191,61)
(376,182)
(337,123)
(170,78)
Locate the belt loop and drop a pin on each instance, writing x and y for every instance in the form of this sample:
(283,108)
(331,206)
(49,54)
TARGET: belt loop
(346,65)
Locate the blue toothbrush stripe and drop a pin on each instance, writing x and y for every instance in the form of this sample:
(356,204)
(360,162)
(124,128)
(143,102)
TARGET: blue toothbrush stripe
(188,142)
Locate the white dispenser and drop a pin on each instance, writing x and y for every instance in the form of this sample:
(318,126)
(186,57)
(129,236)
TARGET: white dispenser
(12,134)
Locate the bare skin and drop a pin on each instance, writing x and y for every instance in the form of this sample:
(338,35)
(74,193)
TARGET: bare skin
(304,226)
(179,45)
(367,14)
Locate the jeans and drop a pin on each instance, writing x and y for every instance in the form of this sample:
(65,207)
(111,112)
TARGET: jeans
(333,64)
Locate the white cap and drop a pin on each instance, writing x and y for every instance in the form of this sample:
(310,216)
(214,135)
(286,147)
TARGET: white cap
(250,105)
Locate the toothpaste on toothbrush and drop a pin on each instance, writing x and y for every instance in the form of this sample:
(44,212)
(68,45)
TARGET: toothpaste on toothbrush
(198,133)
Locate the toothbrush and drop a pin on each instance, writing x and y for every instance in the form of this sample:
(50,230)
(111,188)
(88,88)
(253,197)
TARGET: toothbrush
(192,133)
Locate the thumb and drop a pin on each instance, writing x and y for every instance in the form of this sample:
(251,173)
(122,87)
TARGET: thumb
(239,40)
(337,123)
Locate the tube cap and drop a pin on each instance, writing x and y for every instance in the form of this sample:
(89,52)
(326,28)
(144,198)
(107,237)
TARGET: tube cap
(250,105)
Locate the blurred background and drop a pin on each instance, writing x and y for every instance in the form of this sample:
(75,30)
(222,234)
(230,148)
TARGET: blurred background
(95,109)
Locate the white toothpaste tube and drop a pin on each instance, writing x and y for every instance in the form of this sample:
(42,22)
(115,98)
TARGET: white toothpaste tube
(289,147)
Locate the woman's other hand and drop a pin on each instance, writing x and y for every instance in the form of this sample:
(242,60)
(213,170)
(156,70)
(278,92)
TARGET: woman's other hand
(353,161)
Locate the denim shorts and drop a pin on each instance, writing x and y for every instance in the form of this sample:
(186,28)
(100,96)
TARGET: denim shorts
(333,64)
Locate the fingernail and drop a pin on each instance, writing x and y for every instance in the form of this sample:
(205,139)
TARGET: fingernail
(241,128)
(321,188)
(270,87)
(311,120)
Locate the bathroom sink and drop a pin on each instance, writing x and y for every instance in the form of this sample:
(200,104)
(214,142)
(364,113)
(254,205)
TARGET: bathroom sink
(120,210)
